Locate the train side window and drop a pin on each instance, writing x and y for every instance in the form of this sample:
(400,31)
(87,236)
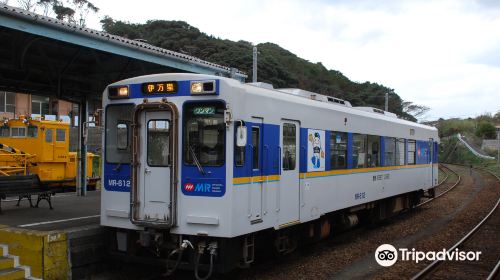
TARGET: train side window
(122,135)
(289,146)
(338,150)
(411,151)
(48,135)
(18,131)
(116,114)
(4,131)
(373,151)
(239,156)
(400,151)
(255,145)
(60,135)
(359,150)
(33,131)
(390,151)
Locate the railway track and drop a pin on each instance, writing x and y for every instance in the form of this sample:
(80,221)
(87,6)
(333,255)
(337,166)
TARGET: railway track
(345,255)
(495,272)
(448,172)
(474,239)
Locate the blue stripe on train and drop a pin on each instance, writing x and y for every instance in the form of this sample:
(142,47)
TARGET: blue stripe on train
(269,158)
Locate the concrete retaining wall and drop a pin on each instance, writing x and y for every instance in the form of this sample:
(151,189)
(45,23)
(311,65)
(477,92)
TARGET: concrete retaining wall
(87,251)
(45,252)
(71,254)
(490,145)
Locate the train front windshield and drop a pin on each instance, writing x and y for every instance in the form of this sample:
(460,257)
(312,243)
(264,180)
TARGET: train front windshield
(204,133)
(118,133)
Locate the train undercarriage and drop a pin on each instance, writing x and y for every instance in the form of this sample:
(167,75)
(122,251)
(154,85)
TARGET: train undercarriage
(207,255)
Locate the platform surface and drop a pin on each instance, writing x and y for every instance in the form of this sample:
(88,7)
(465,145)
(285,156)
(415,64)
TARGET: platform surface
(70,211)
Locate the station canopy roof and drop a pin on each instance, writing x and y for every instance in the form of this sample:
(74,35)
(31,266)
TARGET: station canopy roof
(49,57)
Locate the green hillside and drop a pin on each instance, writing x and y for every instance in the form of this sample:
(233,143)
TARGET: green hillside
(276,65)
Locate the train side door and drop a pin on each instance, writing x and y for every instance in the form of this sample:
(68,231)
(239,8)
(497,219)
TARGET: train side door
(48,148)
(289,185)
(61,146)
(256,145)
(154,171)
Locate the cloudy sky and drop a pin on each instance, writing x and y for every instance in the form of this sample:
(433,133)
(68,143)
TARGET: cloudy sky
(442,54)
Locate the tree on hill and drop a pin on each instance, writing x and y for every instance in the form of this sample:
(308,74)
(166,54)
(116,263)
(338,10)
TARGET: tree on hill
(28,5)
(486,130)
(72,11)
(414,109)
(276,65)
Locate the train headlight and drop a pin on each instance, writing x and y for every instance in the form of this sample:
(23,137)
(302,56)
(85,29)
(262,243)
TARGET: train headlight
(196,87)
(123,91)
(202,87)
(118,92)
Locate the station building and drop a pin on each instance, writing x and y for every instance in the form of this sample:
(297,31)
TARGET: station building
(13,105)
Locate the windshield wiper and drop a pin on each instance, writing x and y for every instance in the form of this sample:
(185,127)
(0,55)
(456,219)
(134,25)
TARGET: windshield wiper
(196,161)
(117,168)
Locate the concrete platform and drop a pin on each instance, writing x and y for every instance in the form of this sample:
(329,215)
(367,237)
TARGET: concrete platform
(64,243)
(70,211)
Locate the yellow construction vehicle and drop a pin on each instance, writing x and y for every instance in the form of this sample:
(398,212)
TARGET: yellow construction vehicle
(40,147)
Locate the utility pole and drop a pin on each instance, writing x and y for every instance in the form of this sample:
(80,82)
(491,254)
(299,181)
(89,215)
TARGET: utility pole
(387,102)
(254,72)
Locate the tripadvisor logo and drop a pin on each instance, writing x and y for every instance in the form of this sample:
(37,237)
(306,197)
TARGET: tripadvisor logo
(386,255)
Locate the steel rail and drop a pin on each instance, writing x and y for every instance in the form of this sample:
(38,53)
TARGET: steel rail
(449,189)
(445,178)
(494,272)
(435,263)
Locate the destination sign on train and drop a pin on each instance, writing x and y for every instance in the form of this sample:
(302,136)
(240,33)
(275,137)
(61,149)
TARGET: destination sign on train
(204,110)
(159,87)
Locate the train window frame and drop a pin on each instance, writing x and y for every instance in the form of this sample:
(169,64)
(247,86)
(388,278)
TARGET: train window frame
(400,151)
(373,159)
(413,152)
(255,149)
(49,135)
(356,165)
(32,131)
(293,154)
(119,136)
(111,154)
(18,129)
(4,129)
(220,105)
(60,132)
(334,146)
(239,152)
(389,149)
(168,164)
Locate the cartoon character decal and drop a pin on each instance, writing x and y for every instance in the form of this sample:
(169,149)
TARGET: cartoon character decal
(315,151)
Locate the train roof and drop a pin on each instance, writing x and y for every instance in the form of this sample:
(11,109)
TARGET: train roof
(18,121)
(288,95)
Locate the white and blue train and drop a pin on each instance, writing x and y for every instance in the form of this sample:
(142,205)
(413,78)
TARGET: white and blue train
(204,170)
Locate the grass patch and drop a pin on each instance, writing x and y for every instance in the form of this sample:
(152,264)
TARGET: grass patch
(453,151)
